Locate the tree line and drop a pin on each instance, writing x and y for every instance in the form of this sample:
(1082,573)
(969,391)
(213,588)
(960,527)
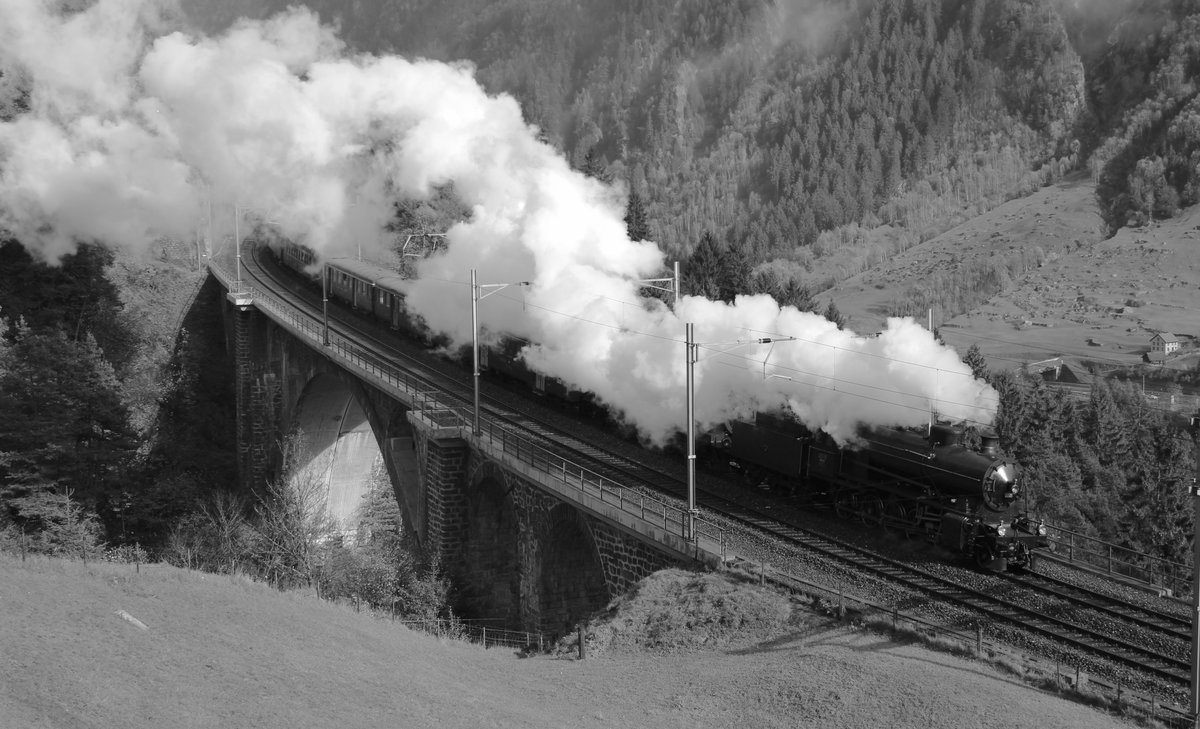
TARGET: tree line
(117,442)
(1110,466)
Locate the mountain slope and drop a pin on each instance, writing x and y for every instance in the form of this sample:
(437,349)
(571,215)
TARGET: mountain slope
(1062,287)
(768,123)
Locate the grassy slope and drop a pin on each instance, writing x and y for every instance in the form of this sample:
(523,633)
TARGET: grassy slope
(223,652)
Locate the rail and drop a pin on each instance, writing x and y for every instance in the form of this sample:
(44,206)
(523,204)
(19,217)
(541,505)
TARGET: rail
(430,403)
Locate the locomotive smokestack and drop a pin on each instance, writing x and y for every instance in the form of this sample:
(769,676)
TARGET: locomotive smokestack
(989,444)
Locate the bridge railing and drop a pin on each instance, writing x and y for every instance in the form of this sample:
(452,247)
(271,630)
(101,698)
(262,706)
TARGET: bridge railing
(1173,578)
(667,515)
(435,405)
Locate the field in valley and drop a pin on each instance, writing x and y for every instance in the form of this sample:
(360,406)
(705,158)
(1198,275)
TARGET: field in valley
(1091,300)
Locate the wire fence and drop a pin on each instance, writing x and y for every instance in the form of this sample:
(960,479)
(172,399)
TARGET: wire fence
(488,636)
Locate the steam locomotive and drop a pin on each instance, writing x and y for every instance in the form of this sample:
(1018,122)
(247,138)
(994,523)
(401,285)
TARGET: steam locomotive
(905,481)
(910,483)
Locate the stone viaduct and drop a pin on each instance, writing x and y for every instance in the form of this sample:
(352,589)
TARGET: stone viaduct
(528,539)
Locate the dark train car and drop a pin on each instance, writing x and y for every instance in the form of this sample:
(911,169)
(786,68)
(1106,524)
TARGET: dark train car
(770,446)
(295,257)
(355,282)
(500,360)
(376,290)
(503,361)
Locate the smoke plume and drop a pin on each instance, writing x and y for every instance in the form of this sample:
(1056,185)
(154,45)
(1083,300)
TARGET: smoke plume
(138,132)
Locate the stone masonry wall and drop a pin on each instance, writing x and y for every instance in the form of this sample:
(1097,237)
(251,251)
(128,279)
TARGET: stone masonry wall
(442,471)
(569,563)
(257,390)
(626,560)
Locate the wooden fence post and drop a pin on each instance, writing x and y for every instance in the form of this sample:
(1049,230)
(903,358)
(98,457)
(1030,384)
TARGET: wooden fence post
(582,644)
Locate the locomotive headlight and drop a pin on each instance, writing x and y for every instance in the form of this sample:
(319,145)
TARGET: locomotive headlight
(1002,484)
(1042,530)
(1002,530)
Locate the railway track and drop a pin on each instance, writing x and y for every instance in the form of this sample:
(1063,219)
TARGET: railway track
(742,507)
(1168,625)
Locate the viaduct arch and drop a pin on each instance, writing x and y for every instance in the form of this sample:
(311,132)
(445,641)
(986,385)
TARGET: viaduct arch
(515,551)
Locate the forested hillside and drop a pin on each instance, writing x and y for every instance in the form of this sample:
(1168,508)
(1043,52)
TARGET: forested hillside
(1145,93)
(116,415)
(825,136)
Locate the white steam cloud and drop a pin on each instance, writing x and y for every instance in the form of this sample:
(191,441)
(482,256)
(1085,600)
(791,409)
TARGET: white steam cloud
(135,133)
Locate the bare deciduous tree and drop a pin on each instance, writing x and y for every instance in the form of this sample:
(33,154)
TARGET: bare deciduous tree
(294,524)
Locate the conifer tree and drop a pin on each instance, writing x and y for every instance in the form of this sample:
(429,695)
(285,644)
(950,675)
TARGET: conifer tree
(974,359)
(594,168)
(835,316)
(636,225)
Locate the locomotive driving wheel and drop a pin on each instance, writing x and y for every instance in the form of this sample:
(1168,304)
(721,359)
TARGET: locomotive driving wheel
(897,520)
(871,511)
(986,559)
(846,505)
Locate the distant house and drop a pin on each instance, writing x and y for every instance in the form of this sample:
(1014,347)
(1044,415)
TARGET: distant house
(1164,343)
(1052,370)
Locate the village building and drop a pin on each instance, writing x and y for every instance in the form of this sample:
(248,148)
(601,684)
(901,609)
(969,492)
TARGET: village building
(1164,343)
